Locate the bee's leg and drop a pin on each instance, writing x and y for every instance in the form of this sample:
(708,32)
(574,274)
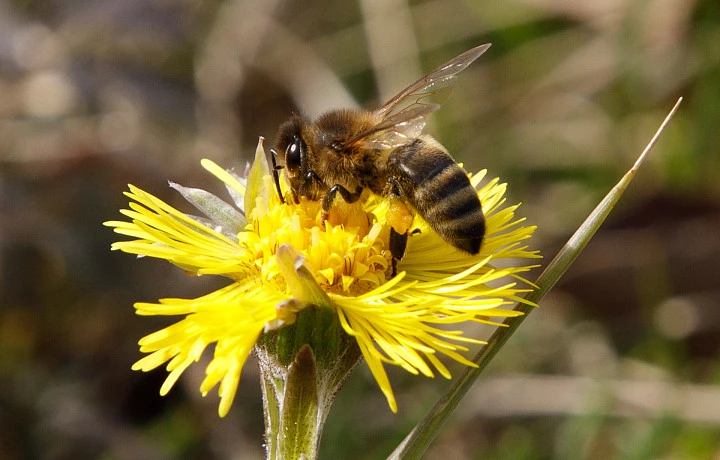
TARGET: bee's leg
(306,187)
(400,220)
(398,244)
(329,199)
(276,174)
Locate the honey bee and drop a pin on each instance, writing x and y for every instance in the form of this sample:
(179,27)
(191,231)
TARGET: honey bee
(351,151)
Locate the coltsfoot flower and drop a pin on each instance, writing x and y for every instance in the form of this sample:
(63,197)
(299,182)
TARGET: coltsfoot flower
(281,262)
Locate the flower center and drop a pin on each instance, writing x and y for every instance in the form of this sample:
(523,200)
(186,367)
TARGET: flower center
(347,254)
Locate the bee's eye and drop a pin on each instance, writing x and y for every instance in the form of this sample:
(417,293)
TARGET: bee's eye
(293,154)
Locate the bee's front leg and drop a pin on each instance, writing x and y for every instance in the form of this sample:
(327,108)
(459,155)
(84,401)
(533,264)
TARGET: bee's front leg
(276,174)
(307,188)
(329,199)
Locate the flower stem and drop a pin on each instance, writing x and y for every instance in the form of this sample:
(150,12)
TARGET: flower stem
(302,367)
(292,422)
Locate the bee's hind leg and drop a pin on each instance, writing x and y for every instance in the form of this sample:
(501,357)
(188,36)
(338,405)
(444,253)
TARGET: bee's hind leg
(400,219)
(398,244)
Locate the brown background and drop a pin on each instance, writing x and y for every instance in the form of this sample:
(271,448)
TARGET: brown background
(619,362)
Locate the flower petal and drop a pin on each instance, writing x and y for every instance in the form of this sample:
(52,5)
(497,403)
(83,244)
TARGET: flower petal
(232,317)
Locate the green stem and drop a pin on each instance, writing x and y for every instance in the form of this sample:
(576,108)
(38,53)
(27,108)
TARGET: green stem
(273,389)
(291,402)
(299,383)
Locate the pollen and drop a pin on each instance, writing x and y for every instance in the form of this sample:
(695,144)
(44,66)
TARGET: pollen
(399,216)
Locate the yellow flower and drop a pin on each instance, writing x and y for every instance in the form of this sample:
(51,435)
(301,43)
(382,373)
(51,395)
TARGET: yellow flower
(281,261)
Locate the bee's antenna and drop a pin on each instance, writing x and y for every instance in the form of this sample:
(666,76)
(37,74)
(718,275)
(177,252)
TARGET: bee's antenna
(276,174)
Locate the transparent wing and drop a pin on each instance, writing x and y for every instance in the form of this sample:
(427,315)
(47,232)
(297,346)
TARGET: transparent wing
(403,117)
(430,84)
(396,130)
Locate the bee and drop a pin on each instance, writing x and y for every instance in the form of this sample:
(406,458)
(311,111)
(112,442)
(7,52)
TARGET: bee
(352,151)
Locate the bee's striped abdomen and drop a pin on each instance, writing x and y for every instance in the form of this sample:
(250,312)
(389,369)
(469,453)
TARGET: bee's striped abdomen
(431,181)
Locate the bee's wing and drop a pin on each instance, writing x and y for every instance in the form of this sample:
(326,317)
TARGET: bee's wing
(396,130)
(431,83)
(403,118)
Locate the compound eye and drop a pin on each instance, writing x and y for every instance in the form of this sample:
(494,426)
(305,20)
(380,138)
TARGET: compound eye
(293,154)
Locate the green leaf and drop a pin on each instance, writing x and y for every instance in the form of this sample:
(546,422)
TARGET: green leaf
(418,440)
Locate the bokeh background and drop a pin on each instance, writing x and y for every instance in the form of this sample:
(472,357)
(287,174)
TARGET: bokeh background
(621,359)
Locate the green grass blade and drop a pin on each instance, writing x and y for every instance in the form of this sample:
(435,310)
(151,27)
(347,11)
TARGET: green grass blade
(417,441)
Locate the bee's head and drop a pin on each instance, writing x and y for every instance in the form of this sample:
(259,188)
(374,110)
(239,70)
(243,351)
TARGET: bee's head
(292,144)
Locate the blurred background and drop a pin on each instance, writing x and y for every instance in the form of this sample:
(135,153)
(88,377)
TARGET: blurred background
(620,360)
